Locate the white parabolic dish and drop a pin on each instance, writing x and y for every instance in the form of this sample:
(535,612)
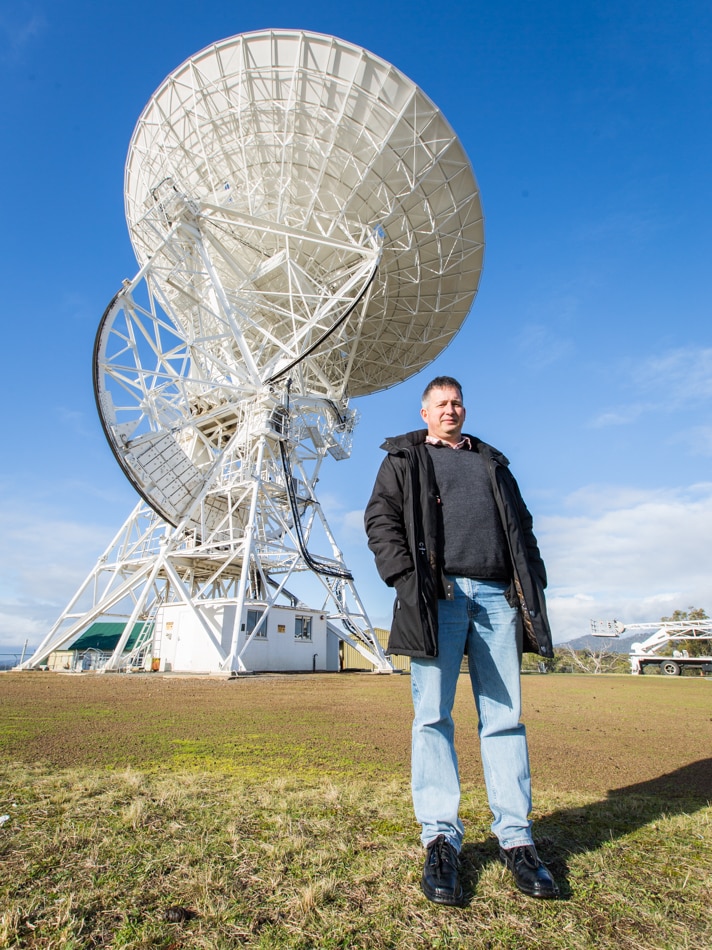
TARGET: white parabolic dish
(285,137)
(308,229)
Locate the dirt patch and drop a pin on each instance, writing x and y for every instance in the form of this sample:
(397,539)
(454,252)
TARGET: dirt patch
(589,734)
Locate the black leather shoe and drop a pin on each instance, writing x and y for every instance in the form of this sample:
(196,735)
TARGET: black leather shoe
(440,881)
(530,875)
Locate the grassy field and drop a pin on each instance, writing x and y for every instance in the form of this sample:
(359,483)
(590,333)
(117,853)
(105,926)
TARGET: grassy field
(274,811)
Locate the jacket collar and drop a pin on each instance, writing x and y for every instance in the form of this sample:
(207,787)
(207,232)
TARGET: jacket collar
(409,441)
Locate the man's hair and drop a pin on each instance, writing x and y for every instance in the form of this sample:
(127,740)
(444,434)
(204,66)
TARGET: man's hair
(441,382)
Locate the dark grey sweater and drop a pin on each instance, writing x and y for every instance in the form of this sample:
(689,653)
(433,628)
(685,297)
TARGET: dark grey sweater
(475,542)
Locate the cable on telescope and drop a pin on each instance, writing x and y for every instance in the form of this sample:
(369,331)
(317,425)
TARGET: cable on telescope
(313,563)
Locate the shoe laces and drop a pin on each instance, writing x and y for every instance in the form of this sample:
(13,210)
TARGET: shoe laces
(527,854)
(442,853)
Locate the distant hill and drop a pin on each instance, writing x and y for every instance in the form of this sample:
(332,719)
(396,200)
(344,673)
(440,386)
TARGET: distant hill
(610,644)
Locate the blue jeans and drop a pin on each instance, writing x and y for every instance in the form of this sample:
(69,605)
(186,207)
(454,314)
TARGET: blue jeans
(480,618)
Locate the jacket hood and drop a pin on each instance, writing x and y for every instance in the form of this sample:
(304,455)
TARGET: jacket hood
(396,444)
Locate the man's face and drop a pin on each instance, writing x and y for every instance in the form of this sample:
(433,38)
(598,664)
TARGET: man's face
(444,414)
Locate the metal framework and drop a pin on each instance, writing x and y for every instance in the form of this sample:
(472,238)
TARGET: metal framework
(308,229)
(664,633)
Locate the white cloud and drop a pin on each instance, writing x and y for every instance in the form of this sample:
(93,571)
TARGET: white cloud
(74,422)
(680,376)
(621,226)
(697,440)
(677,380)
(621,415)
(17,32)
(345,523)
(543,346)
(352,524)
(611,552)
(43,560)
(20,627)
(629,555)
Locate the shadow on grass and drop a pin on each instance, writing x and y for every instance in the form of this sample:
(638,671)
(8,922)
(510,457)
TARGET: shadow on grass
(578,830)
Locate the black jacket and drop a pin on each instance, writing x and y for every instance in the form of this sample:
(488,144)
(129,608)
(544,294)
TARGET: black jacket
(403,527)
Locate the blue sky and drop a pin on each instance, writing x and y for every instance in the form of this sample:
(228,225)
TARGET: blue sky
(587,357)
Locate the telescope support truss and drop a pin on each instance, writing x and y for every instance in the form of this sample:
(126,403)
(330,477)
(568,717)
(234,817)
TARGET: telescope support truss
(150,565)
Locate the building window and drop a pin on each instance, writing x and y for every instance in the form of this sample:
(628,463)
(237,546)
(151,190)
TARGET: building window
(253,618)
(303,628)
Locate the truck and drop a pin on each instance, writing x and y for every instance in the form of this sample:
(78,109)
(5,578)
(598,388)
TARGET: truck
(665,633)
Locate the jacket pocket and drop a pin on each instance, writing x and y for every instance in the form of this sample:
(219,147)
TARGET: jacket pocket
(406,592)
(407,634)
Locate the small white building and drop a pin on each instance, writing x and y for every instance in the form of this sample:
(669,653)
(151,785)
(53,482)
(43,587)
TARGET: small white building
(281,639)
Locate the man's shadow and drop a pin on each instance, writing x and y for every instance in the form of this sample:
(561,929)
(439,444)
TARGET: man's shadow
(578,830)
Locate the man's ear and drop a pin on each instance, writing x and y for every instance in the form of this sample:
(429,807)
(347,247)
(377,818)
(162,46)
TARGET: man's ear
(424,414)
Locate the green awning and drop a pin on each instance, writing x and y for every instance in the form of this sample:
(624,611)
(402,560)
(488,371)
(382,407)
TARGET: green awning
(104,635)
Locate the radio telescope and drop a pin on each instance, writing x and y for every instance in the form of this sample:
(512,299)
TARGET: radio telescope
(308,229)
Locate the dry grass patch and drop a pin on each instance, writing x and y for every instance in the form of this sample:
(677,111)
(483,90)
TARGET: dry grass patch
(145,841)
(287,863)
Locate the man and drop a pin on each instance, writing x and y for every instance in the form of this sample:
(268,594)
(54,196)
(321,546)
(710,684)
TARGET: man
(450,531)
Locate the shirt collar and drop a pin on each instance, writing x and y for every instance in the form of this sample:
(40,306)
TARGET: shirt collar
(464,442)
